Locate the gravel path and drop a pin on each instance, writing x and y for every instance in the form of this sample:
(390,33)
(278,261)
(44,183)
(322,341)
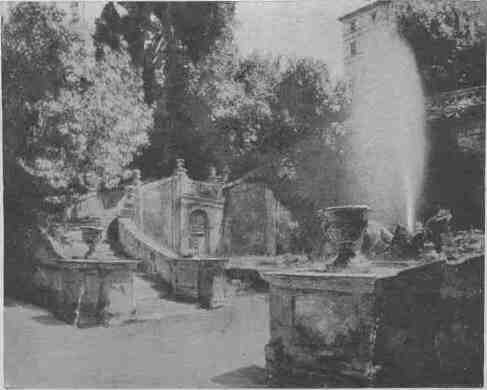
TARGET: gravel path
(193,348)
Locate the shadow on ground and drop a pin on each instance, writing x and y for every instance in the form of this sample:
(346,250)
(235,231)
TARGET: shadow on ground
(48,320)
(251,376)
(164,289)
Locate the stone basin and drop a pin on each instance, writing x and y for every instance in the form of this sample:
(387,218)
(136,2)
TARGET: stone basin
(87,292)
(398,324)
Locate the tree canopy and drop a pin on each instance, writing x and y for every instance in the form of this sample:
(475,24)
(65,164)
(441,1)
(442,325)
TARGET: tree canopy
(449,41)
(167,40)
(67,117)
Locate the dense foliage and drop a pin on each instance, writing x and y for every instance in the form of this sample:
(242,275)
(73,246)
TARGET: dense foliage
(167,40)
(69,121)
(281,122)
(449,41)
(272,115)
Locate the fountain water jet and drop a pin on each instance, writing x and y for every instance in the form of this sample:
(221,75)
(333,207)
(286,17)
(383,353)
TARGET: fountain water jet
(388,122)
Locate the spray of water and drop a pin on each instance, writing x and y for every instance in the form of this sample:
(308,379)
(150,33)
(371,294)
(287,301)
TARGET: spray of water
(388,122)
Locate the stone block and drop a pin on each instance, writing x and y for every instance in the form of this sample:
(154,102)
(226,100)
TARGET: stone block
(417,326)
(90,292)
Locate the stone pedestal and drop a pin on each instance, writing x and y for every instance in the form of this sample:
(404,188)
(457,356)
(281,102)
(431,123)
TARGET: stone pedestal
(322,329)
(200,279)
(392,326)
(87,292)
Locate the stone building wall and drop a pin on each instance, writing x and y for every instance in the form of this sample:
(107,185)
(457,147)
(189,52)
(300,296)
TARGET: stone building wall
(255,222)
(156,204)
(357,26)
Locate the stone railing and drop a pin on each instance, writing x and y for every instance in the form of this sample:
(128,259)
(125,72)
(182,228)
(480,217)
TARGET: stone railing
(199,279)
(454,103)
(155,258)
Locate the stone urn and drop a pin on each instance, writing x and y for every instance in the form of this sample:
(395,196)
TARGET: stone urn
(91,236)
(344,226)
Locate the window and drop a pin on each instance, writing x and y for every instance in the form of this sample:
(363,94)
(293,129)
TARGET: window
(353,48)
(353,26)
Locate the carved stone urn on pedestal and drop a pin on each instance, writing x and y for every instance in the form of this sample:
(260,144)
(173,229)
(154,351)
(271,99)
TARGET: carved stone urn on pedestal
(344,227)
(91,236)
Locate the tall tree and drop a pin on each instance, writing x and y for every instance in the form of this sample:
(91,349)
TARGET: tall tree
(280,122)
(167,39)
(66,116)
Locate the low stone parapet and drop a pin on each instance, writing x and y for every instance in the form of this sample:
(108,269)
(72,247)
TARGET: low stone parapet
(87,292)
(394,326)
(202,280)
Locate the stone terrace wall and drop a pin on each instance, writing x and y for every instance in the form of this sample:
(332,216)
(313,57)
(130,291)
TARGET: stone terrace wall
(255,223)
(156,204)
(156,259)
(202,279)
(431,326)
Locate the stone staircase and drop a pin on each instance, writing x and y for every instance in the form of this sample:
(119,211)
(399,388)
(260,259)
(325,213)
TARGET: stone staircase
(153,300)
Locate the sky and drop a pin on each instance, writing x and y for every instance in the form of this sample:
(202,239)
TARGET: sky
(306,28)
(293,28)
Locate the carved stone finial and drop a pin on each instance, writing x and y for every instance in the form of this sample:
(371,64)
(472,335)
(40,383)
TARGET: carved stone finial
(180,168)
(213,176)
(226,173)
(136,176)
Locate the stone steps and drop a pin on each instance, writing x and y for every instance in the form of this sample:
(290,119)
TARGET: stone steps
(153,302)
(145,289)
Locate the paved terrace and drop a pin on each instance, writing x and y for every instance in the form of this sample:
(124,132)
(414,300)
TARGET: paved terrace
(187,347)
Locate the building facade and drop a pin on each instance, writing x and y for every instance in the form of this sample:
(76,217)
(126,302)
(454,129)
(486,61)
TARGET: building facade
(357,26)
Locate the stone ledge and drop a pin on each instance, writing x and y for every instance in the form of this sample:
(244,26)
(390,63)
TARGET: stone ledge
(349,282)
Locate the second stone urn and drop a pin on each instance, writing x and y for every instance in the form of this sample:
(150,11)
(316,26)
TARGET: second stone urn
(92,235)
(344,226)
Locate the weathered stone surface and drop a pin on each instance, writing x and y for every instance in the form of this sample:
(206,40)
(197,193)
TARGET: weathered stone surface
(198,279)
(419,326)
(255,222)
(163,210)
(87,292)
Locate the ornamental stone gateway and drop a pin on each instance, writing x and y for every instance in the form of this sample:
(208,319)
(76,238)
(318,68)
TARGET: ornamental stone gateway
(174,226)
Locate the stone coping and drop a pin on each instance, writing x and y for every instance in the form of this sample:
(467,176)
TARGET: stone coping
(89,263)
(345,281)
(348,207)
(200,259)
